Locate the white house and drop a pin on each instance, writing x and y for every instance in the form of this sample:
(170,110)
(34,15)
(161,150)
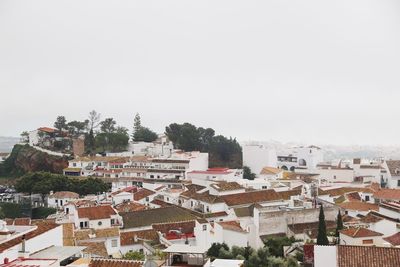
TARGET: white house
(360,237)
(59,199)
(257,156)
(97,217)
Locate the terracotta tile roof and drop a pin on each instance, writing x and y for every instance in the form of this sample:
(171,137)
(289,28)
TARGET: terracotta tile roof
(64,194)
(194,187)
(160,203)
(226,186)
(22,221)
(359,232)
(371,218)
(391,194)
(343,190)
(270,171)
(115,263)
(43,226)
(47,129)
(394,167)
(128,238)
(205,197)
(142,193)
(232,225)
(154,216)
(359,206)
(184,227)
(95,249)
(129,207)
(68,234)
(258,196)
(353,196)
(311,229)
(88,234)
(96,213)
(367,256)
(394,240)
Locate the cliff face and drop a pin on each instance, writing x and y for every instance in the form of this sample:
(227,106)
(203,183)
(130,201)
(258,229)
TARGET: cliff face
(24,159)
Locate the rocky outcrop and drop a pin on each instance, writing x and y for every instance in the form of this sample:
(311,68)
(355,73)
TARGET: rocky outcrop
(25,158)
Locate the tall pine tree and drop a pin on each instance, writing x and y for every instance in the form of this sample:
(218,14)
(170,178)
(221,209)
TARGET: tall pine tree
(137,125)
(322,239)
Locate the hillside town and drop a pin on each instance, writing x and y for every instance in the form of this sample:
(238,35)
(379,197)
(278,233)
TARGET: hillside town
(166,206)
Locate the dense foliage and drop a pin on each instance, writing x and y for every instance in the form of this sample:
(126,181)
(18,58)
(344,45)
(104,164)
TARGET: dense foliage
(223,151)
(44,182)
(322,238)
(134,255)
(8,167)
(275,245)
(141,133)
(253,258)
(17,210)
(248,174)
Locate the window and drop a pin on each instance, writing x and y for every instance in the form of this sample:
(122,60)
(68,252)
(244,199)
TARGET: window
(205,227)
(334,177)
(191,203)
(398,182)
(74,164)
(67,210)
(114,243)
(147,199)
(99,223)
(56,200)
(84,224)
(368,242)
(112,221)
(264,187)
(366,198)
(151,176)
(61,202)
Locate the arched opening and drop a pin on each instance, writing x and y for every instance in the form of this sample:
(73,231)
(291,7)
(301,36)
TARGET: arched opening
(302,162)
(292,169)
(284,168)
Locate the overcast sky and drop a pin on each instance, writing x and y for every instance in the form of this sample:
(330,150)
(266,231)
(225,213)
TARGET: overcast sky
(323,72)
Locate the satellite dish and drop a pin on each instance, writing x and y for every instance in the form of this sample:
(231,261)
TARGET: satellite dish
(150,263)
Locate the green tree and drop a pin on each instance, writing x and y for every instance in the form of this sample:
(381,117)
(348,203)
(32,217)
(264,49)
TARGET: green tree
(248,174)
(141,133)
(77,128)
(108,125)
(322,238)
(275,245)
(60,123)
(134,255)
(339,225)
(90,143)
(94,120)
(213,251)
(24,137)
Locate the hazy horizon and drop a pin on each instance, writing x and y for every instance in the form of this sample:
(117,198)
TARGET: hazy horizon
(308,72)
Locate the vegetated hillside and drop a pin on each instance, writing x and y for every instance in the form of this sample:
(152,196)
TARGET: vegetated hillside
(25,158)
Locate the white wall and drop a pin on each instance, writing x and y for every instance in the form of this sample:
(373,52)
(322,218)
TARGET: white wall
(347,240)
(256,157)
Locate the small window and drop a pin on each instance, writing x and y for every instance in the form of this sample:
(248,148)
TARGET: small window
(99,223)
(112,221)
(398,182)
(366,198)
(114,243)
(368,242)
(147,199)
(205,227)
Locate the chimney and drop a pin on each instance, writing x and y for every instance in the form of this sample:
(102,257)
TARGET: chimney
(23,253)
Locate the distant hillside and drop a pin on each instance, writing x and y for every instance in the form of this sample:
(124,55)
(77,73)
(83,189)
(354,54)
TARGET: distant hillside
(7,143)
(334,152)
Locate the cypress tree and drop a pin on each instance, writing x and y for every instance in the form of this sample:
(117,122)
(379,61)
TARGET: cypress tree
(322,239)
(339,225)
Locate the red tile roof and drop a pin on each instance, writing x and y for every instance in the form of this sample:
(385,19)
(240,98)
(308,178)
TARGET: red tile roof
(258,196)
(367,256)
(359,206)
(47,129)
(64,194)
(360,232)
(142,193)
(96,213)
(128,238)
(394,240)
(232,225)
(392,194)
(114,263)
(43,226)
(129,207)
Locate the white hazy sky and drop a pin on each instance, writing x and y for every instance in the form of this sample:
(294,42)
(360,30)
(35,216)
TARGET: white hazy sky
(306,71)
